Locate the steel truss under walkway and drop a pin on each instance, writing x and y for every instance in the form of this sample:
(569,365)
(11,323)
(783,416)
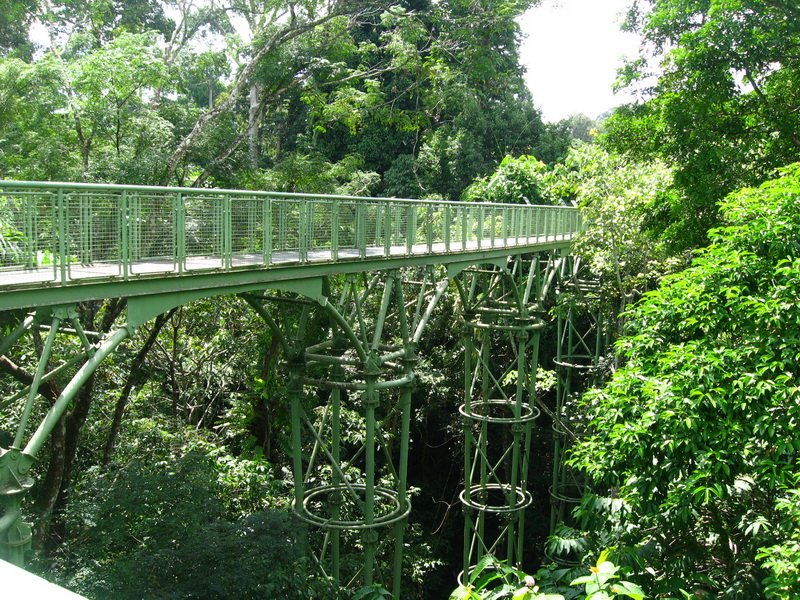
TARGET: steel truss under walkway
(347,286)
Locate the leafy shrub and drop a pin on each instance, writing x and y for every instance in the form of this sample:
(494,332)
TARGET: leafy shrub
(697,432)
(520,180)
(492,580)
(159,532)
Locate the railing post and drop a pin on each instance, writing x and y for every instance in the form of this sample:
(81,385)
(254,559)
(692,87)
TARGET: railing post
(304,226)
(29,229)
(493,226)
(531,212)
(60,262)
(481,219)
(85,228)
(124,224)
(411,228)
(266,233)
(446,228)
(227,232)
(379,216)
(361,233)
(545,225)
(335,230)
(134,230)
(557,224)
(282,224)
(180,233)
(429,227)
(464,224)
(387,230)
(506,224)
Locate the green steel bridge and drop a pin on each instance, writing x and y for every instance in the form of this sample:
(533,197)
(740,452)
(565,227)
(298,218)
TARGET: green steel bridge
(347,285)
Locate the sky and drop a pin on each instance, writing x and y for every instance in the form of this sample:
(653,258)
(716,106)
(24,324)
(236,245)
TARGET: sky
(572,51)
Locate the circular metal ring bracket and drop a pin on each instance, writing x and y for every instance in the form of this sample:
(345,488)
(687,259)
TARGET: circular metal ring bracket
(524,498)
(482,411)
(392,507)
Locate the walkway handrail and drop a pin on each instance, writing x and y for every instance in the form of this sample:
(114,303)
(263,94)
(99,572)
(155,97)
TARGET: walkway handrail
(61,233)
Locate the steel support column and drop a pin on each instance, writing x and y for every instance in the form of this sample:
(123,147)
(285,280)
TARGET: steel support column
(351,359)
(579,366)
(503,316)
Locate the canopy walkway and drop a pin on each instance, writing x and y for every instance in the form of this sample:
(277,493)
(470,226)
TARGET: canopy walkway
(374,268)
(67,242)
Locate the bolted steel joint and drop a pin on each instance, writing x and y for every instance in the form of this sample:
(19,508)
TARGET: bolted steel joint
(370,537)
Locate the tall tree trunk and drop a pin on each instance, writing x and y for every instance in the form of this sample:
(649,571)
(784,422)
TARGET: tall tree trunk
(252,125)
(133,375)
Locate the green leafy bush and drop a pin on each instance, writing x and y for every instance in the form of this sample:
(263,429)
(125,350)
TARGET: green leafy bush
(697,432)
(158,532)
(492,580)
(522,180)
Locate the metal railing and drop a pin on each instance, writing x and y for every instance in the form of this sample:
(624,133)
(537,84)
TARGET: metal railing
(59,233)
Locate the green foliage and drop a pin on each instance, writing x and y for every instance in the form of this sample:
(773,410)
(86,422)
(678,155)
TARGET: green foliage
(600,584)
(782,560)
(157,531)
(516,181)
(696,432)
(492,579)
(616,196)
(15,19)
(723,108)
(312,173)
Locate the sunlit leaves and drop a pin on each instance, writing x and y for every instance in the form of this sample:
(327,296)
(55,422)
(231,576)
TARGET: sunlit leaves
(723,108)
(697,430)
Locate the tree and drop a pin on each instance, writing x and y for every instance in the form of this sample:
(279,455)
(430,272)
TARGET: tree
(616,195)
(695,434)
(15,20)
(723,110)
(160,531)
(516,180)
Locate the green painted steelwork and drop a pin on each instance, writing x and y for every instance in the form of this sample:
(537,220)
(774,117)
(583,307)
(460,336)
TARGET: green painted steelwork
(503,316)
(364,362)
(301,261)
(114,241)
(582,344)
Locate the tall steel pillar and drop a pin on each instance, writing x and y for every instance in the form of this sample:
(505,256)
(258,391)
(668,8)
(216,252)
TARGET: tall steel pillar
(581,344)
(502,318)
(351,373)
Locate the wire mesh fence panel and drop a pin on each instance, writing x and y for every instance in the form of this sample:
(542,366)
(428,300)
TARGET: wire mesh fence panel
(469,225)
(321,219)
(286,224)
(204,230)
(151,232)
(457,225)
(348,226)
(93,240)
(406,229)
(382,215)
(537,226)
(247,231)
(373,215)
(28,240)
